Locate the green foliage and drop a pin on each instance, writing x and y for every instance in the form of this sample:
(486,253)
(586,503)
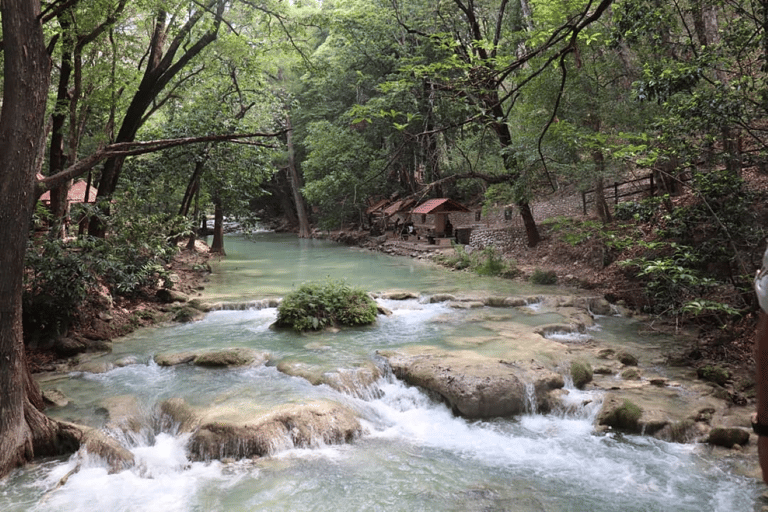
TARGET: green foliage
(56,284)
(314,306)
(640,211)
(543,277)
(487,262)
(60,275)
(714,373)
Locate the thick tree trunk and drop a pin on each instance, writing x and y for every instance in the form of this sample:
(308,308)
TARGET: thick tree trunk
(26,75)
(217,245)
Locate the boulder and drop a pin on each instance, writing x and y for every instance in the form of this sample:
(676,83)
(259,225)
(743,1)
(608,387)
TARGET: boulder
(223,432)
(627,359)
(728,437)
(174,359)
(621,414)
(168,296)
(66,347)
(55,398)
(474,386)
(231,357)
(581,373)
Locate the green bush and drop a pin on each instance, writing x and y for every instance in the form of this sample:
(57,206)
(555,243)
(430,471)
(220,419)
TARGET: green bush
(543,277)
(56,284)
(315,306)
(487,262)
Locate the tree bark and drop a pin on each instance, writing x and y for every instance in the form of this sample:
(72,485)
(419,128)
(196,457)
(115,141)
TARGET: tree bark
(217,245)
(26,76)
(296,183)
(57,158)
(161,69)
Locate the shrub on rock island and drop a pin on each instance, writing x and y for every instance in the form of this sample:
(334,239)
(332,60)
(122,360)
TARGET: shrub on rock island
(315,306)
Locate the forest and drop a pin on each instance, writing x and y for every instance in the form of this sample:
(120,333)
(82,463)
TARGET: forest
(307,111)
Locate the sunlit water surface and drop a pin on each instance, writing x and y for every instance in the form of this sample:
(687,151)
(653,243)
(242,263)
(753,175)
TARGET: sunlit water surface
(414,455)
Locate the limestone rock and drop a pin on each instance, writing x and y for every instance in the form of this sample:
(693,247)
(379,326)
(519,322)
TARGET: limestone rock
(399,295)
(293,425)
(474,386)
(174,359)
(55,397)
(168,296)
(360,381)
(231,357)
(728,437)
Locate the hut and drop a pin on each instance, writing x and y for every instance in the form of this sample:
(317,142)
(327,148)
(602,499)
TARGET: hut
(398,213)
(432,219)
(77,194)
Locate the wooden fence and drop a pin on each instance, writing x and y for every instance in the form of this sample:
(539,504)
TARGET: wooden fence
(621,190)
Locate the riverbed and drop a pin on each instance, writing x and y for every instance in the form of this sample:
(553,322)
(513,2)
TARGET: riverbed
(413,454)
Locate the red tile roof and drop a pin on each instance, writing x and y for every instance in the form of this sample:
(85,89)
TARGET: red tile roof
(444,204)
(398,206)
(76,194)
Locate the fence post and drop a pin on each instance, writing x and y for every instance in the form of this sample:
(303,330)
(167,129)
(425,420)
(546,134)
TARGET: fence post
(615,192)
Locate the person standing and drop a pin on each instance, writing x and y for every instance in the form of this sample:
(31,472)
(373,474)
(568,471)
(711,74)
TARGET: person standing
(760,417)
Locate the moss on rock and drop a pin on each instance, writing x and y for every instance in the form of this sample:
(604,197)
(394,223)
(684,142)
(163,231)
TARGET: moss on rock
(581,373)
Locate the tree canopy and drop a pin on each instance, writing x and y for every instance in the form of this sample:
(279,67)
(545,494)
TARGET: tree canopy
(312,110)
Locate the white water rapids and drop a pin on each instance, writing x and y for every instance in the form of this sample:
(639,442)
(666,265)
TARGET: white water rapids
(414,455)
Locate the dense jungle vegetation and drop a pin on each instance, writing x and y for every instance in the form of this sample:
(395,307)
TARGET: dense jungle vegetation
(308,110)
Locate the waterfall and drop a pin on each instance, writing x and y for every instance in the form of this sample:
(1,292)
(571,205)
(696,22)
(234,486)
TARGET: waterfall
(530,398)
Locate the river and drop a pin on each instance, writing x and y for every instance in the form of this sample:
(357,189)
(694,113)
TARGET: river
(414,455)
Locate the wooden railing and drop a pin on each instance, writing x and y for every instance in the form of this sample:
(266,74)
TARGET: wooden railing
(621,190)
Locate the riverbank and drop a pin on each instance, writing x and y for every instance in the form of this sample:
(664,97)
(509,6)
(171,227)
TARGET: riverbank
(587,267)
(101,319)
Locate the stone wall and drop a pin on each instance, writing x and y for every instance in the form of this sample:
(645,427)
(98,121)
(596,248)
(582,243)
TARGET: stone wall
(502,227)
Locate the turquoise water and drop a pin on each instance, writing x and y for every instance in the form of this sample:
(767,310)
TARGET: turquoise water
(414,454)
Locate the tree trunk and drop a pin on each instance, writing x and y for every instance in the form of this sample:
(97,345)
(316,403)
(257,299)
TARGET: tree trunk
(26,75)
(601,205)
(296,184)
(161,69)
(57,159)
(217,245)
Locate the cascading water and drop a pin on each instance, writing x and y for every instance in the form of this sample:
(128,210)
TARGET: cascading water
(414,454)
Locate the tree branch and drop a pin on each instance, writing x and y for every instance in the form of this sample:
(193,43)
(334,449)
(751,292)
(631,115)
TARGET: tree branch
(139,148)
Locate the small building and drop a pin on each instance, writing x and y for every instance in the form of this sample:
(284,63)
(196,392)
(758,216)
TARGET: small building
(76,194)
(432,218)
(398,213)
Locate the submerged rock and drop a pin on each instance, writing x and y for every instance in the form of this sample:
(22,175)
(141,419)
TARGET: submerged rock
(55,397)
(175,358)
(360,381)
(231,357)
(475,386)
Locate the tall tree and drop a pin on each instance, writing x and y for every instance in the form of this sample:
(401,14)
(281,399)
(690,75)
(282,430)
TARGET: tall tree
(165,60)
(26,74)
